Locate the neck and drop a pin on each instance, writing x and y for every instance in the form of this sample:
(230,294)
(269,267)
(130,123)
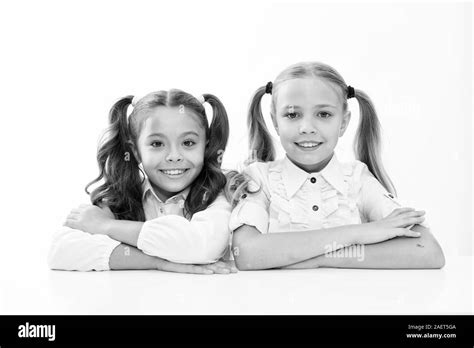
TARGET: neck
(163,195)
(313,168)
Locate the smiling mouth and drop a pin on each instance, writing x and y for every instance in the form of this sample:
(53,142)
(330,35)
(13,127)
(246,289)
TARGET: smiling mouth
(173,172)
(308,144)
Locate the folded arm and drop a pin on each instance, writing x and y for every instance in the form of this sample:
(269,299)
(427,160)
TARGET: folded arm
(203,239)
(254,250)
(398,253)
(74,250)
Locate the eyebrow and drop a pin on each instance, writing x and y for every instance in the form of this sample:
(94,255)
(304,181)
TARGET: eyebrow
(286,107)
(181,135)
(323,106)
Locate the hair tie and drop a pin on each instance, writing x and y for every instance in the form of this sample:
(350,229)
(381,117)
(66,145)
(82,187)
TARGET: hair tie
(350,92)
(202,99)
(269,87)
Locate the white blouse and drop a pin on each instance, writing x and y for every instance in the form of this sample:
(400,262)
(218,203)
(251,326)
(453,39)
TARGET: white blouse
(291,199)
(165,234)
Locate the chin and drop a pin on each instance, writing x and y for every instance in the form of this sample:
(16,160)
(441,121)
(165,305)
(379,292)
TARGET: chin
(177,187)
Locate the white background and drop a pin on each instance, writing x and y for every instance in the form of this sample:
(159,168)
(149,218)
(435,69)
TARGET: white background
(63,64)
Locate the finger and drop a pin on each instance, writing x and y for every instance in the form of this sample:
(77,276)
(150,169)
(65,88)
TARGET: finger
(70,223)
(399,211)
(404,232)
(226,266)
(200,270)
(415,213)
(217,269)
(230,264)
(75,211)
(220,264)
(416,220)
(73,217)
(406,222)
(183,268)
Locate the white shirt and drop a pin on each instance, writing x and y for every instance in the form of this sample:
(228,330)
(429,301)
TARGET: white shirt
(165,234)
(291,199)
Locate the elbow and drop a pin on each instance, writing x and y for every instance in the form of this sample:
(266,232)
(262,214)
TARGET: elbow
(436,258)
(51,261)
(433,257)
(244,258)
(54,254)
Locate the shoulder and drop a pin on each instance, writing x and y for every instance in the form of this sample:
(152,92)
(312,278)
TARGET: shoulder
(258,172)
(257,168)
(355,170)
(218,206)
(221,201)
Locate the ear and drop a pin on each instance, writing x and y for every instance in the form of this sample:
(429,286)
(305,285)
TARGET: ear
(134,151)
(275,124)
(345,122)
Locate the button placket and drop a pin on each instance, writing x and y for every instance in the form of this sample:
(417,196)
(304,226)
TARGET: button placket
(316,195)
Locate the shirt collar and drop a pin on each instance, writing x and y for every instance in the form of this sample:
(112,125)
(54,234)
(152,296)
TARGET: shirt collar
(147,188)
(294,177)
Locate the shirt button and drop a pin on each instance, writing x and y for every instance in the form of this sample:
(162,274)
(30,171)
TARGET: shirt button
(315,207)
(313,180)
(244,196)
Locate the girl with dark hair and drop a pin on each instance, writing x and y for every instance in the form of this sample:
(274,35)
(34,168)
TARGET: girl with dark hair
(319,206)
(160,203)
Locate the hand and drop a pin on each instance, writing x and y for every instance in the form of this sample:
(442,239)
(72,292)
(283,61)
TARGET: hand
(402,217)
(219,267)
(222,267)
(394,225)
(89,218)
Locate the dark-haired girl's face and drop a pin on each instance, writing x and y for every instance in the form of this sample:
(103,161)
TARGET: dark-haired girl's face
(171,147)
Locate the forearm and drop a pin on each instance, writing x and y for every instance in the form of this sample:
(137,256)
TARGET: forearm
(124,231)
(128,257)
(275,250)
(397,253)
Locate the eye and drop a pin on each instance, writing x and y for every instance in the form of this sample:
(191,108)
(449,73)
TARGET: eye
(324,114)
(189,143)
(156,144)
(291,115)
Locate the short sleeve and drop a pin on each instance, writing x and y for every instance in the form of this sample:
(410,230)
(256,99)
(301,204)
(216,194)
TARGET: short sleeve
(252,208)
(375,202)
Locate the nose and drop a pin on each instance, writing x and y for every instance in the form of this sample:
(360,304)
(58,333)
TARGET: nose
(174,155)
(306,126)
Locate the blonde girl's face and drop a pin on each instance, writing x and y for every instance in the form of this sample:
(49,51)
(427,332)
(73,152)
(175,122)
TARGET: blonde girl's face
(309,119)
(171,148)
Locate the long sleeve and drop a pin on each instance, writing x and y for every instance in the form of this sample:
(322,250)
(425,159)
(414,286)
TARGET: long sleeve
(75,250)
(203,239)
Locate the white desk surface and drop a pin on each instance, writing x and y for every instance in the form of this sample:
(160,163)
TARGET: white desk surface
(38,290)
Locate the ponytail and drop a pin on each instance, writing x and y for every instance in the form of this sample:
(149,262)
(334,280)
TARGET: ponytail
(260,141)
(211,180)
(121,190)
(367,140)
